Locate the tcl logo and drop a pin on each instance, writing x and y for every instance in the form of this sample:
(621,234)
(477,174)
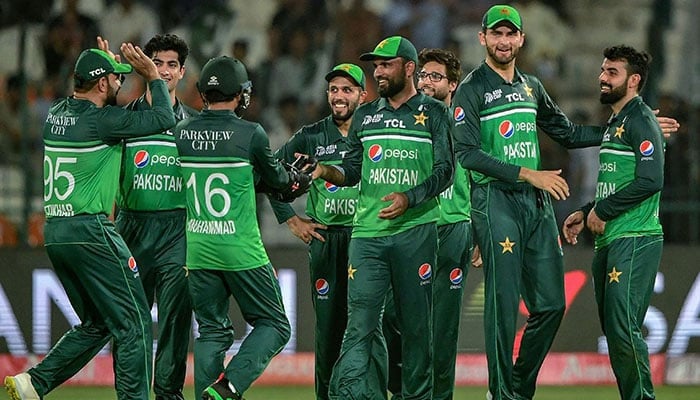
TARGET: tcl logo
(97,72)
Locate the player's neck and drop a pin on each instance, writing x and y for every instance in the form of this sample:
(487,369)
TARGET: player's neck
(403,96)
(171,93)
(620,104)
(343,126)
(506,71)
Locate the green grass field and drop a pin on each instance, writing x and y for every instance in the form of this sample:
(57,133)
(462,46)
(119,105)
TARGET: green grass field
(470,392)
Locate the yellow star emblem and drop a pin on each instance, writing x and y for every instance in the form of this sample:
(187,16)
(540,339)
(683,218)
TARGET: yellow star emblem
(614,275)
(619,131)
(507,245)
(420,118)
(382,43)
(528,90)
(351,272)
(345,67)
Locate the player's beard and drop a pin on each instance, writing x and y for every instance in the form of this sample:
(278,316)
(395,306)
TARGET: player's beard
(111,96)
(503,60)
(614,95)
(393,87)
(436,93)
(345,114)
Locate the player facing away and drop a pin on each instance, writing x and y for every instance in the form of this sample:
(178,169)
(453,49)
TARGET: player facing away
(625,218)
(151,220)
(401,153)
(82,154)
(221,158)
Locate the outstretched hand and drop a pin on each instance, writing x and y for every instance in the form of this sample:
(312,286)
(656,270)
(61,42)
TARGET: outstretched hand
(573,225)
(398,206)
(668,125)
(103,44)
(143,65)
(549,180)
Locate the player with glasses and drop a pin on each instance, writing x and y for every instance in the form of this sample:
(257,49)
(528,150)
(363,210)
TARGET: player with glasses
(433,76)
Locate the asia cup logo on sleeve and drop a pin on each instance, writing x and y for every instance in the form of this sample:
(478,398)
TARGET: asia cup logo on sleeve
(506,129)
(322,287)
(646,148)
(141,158)
(375,153)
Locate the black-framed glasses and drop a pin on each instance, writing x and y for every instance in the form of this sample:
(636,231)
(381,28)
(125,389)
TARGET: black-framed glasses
(433,76)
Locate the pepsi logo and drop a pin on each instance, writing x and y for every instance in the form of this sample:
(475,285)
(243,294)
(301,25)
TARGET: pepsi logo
(132,264)
(331,188)
(141,158)
(322,286)
(375,152)
(506,129)
(456,276)
(459,114)
(425,271)
(646,148)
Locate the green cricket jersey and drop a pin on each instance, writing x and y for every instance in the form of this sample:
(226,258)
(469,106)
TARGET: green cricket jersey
(219,155)
(81,159)
(408,150)
(455,203)
(631,174)
(496,125)
(150,177)
(326,203)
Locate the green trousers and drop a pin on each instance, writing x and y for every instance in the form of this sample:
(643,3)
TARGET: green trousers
(101,280)
(623,277)
(157,241)
(404,262)
(258,295)
(520,247)
(453,260)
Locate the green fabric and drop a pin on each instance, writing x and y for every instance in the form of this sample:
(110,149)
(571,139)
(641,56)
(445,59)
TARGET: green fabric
(377,264)
(101,280)
(455,202)
(258,295)
(220,153)
(157,242)
(518,237)
(399,150)
(150,172)
(630,181)
(624,273)
(81,163)
(496,125)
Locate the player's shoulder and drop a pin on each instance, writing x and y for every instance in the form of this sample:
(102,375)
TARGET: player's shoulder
(314,129)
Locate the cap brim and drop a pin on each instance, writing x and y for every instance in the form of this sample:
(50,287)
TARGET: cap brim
(372,56)
(504,21)
(122,68)
(340,72)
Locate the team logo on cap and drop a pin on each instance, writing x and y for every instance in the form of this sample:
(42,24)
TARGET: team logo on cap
(646,148)
(459,114)
(331,188)
(322,287)
(456,276)
(141,158)
(425,271)
(132,264)
(506,129)
(375,153)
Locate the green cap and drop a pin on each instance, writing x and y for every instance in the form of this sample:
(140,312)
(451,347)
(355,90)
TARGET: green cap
(351,71)
(392,47)
(224,74)
(95,63)
(502,13)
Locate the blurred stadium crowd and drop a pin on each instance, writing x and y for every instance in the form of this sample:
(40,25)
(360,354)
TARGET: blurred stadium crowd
(289,45)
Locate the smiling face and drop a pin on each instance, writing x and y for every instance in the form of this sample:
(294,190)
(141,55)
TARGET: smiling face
(343,97)
(614,81)
(502,44)
(428,82)
(169,67)
(390,76)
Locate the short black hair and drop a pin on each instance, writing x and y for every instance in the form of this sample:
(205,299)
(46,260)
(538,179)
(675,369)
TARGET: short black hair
(637,61)
(215,96)
(166,42)
(453,66)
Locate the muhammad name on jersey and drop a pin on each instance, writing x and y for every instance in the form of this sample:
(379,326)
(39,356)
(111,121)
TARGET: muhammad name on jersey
(216,227)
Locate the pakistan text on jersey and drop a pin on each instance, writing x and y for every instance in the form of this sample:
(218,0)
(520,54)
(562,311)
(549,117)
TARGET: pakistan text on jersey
(604,189)
(158,182)
(447,194)
(340,206)
(520,150)
(59,210)
(225,227)
(393,176)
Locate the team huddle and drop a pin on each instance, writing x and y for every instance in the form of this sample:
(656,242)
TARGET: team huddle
(405,192)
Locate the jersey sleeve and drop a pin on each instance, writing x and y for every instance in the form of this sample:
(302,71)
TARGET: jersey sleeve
(555,124)
(648,173)
(296,144)
(467,133)
(443,160)
(352,162)
(264,163)
(117,123)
